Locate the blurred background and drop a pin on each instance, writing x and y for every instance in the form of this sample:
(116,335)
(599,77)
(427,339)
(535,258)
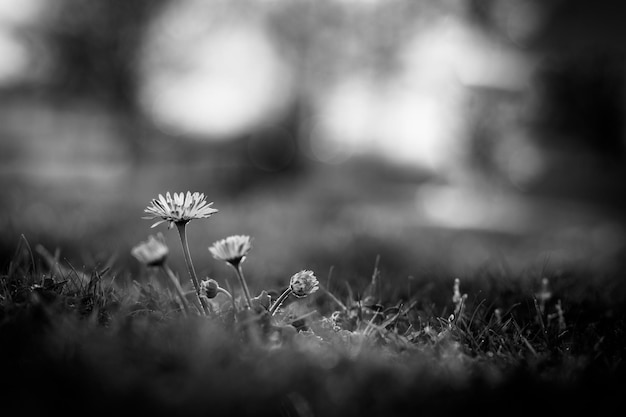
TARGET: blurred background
(444,137)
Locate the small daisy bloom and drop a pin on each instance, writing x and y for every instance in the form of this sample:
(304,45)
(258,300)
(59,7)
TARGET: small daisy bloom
(179,209)
(303,283)
(153,252)
(233,249)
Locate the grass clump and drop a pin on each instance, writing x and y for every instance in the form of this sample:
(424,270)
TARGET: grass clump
(101,342)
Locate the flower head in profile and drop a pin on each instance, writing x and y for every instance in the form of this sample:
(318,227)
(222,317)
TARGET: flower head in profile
(233,249)
(303,283)
(153,252)
(179,209)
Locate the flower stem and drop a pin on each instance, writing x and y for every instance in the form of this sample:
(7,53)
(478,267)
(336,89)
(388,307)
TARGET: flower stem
(225,292)
(192,272)
(170,274)
(244,286)
(230,297)
(280,301)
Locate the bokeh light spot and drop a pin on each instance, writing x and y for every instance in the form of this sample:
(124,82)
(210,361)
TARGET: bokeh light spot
(15,58)
(214,82)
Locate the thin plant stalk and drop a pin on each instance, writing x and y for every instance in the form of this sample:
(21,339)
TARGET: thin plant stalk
(280,301)
(192,272)
(179,290)
(232,299)
(230,296)
(225,292)
(220,290)
(335,299)
(244,286)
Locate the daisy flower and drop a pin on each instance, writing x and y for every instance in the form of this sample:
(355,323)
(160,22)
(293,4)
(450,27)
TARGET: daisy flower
(153,252)
(179,209)
(233,249)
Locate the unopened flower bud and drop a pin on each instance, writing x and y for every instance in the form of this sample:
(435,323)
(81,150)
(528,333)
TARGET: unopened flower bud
(209,288)
(303,283)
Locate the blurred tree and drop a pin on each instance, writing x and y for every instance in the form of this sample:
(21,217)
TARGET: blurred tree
(94,49)
(95,43)
(585,101)
(581,70)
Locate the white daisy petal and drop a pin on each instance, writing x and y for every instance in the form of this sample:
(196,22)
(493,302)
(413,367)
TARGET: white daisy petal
(157,223)
(179,208)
